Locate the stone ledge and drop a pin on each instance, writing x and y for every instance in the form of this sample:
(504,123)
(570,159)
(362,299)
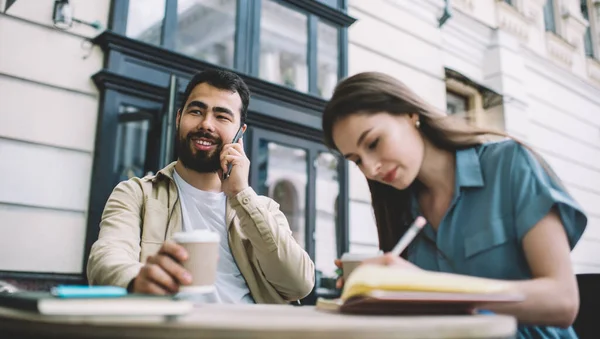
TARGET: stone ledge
(575,26)
(593,67)
(560,50)
(464,5)
(513,21)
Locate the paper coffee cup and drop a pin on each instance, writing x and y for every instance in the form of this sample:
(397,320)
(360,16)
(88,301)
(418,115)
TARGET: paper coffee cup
(351,261)
(202,247)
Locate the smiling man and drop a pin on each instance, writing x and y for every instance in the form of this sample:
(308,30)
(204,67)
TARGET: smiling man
(259,260)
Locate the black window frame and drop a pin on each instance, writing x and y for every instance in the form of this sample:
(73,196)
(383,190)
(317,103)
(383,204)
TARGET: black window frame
(135,68)
(247,40)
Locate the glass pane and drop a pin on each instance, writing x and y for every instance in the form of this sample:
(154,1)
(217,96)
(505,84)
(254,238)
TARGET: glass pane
(327,190)
(331,3)
(363,231)
(456,104)
(145,20)
(283,45)
(549,18)
(131,145)
(327,59)
(587,38)
(206,30)
(282,173)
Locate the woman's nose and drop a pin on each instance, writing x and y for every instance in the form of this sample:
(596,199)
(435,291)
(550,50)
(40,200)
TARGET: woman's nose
(371,168)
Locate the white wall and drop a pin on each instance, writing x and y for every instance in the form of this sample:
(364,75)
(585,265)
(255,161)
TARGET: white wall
(553,107)
(400,39)
(48,112)
(565,128)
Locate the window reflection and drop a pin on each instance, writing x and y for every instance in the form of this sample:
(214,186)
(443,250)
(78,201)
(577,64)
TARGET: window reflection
(363,235)
(587,38)
(283,46)
(206,30)
(327,59)
(131,144)
(332,3)
(145,20)
(327,190)
(456,104)
(283,177)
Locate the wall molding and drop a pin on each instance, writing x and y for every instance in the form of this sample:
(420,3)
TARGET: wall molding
(561,76)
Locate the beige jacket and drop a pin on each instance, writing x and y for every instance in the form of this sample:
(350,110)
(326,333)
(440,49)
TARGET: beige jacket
(142,213)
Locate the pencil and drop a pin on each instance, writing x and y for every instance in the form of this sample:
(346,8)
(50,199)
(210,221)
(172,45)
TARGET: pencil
(409,236)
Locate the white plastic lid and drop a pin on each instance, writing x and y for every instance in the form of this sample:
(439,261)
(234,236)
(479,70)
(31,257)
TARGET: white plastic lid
(196,236)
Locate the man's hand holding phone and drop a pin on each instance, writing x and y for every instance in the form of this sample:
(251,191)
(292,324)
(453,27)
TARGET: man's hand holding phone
(233,155)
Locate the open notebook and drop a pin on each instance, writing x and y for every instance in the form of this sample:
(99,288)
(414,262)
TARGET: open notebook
(374,289)
(127,305)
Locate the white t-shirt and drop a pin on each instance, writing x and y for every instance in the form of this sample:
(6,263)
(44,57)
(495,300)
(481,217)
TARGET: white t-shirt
(206,210)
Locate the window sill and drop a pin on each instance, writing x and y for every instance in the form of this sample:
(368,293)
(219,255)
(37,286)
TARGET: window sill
(513,21)
(593,67)
(465,6)
(575,26)
(560,50)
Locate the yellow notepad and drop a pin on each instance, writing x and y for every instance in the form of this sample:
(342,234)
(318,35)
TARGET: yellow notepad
(367,278)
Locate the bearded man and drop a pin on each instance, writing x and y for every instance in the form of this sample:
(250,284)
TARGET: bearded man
(259,260)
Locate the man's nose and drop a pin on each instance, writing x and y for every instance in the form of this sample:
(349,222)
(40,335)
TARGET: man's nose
(207,123)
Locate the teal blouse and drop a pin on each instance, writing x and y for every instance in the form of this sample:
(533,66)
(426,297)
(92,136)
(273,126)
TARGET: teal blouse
(501,192)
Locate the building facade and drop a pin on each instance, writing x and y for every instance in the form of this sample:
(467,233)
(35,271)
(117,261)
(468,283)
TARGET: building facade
(109,82)
(87,103)
(528,67)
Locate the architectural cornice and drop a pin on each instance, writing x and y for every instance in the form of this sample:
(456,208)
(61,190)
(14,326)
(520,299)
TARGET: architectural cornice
(560,50)
(513,21)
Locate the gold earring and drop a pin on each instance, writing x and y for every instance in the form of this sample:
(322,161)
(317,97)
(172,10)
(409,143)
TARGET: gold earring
(418,123)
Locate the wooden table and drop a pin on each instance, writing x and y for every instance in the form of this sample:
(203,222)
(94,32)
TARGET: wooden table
(256,321)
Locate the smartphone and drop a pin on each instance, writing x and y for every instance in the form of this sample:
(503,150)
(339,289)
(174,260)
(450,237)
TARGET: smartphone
(236,138)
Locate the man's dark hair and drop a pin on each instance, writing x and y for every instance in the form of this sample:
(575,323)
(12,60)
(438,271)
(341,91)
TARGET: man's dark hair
(224,80)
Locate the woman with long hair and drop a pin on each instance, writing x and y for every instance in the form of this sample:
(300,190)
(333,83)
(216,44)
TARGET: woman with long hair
(494,209)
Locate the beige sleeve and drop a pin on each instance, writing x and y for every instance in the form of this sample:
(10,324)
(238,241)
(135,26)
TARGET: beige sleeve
(284,262)
(114,257)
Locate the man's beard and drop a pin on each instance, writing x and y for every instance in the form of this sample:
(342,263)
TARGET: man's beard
(201,161)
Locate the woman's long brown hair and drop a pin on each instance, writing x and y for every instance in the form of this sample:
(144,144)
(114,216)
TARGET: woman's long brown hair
(373,92)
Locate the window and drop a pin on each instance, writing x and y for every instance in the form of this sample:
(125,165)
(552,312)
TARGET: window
(145,20)
(295,44)
(326,193)
(549,17)
(332,3)
(297,49)
(303,178)
(588,40)
(283,46)
(133,131)
(456,104)
(206,30)
(477,104)
(327,59)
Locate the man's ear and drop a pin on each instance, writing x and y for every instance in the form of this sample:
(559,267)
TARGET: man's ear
(244,127)
(178,117)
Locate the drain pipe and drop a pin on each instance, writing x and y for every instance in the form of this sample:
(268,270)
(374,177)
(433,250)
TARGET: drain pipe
(447,14)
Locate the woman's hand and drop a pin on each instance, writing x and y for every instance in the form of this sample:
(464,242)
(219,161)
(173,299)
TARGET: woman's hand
(339,283)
